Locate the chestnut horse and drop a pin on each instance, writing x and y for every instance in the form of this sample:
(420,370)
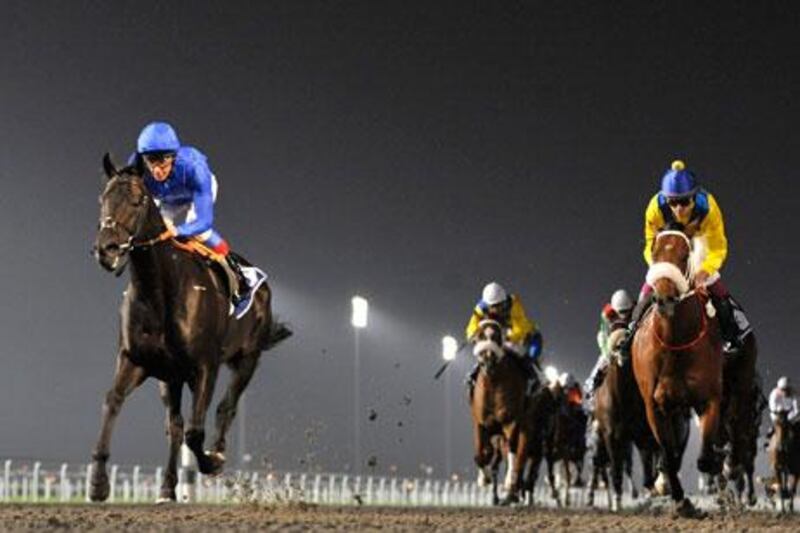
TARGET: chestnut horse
(784,458)
(175,326)
(498,408)
(677,362)
(621,420)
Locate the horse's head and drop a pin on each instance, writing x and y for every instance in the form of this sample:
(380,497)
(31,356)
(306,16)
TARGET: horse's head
(489,342)
(124,208)
(670,274)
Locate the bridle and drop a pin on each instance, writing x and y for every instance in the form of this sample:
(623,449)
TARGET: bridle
(665,269)
(132,243)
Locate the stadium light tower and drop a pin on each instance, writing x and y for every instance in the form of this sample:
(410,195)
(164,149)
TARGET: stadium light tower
(359,321)
(449,351)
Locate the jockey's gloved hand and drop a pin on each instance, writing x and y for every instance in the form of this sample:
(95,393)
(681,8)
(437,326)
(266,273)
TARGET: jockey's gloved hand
(700,279)
(170,232)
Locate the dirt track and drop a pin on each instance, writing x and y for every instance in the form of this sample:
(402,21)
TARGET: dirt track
(297,518)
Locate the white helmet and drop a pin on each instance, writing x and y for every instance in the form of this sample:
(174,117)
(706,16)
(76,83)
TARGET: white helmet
(621,301)
(494,294)
(783,383)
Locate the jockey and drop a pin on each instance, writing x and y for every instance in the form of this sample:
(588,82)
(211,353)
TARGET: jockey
(683,203)
(572,390)
(184,188)
(523,339)
(615,314)
(783,400)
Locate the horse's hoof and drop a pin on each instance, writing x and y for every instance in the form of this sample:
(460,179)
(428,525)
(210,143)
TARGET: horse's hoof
(685,509)
(211,463)
(162,500)
(511,499)
(100,488)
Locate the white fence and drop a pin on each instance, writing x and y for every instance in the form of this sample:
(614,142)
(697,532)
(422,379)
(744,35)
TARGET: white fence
(35,482)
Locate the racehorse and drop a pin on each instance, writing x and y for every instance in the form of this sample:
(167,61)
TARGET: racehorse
(498,407)
(621,421)
(175,326)
(677,362)
(540,414)
(784,458)
(566,443)
(742,404)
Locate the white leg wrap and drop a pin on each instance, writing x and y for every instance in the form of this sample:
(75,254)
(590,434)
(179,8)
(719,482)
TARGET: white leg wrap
(511,475)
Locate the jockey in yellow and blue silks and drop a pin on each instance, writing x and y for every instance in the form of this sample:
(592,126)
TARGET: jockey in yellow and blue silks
(184,188)
(682,202)
(523,339)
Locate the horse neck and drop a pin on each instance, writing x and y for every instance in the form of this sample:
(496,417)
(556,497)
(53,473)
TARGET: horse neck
(151,269)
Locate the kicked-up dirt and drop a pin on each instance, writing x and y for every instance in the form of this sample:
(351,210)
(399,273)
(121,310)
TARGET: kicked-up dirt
(301,517)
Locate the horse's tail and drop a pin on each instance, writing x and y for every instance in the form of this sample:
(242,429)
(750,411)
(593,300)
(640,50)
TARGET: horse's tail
(277,332)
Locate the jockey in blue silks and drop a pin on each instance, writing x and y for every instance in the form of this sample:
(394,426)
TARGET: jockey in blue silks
(184,188)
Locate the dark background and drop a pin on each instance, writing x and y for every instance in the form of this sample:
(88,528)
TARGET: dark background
(407,151)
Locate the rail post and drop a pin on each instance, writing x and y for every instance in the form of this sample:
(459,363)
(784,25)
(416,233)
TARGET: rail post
(7,480)
(113,482)
(63,484)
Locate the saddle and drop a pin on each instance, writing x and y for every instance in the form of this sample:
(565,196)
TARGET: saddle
(254,276)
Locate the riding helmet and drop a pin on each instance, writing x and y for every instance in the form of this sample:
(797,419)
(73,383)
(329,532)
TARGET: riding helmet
(494,294)
(621,301)
(678,182)
(783,383)
(157,137)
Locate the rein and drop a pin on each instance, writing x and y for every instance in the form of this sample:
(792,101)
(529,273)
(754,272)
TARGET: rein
(691,344)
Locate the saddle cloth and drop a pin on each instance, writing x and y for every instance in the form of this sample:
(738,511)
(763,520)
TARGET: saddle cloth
(255,276)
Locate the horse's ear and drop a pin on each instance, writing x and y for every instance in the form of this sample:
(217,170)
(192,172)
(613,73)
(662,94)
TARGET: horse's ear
(109,167)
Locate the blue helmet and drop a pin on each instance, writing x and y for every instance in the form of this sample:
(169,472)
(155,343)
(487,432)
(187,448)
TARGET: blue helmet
(678,182)
(157,137)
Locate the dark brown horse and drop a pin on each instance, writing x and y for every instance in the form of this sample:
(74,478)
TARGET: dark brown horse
(498,408)
(621,422)
(175,326)
(677,362)
(742,404)
(565,443)
(784,458)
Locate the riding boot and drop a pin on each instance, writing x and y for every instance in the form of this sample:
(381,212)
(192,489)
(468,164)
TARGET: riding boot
(239,288)
(638,312)
(731,334)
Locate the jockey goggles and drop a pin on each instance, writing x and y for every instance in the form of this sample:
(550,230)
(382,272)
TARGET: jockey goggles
(683,202)
(155,158)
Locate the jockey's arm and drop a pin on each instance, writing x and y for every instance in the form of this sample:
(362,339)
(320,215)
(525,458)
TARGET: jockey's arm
(520,326)
(653,222)
(203,200)
(472,326)
(713,228)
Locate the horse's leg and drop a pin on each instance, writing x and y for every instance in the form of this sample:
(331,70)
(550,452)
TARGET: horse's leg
(520,460)
(551,478)
(709,462)
(126,378)
(567,481)
(241,372)
(171,396)
(202,390)
(617,449)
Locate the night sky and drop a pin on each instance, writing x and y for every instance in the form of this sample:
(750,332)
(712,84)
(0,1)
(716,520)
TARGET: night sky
(407,151)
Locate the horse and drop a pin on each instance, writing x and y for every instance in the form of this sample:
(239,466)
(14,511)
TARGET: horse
(565,443)
(677,362)
(621,422)
(175,326)
(540,415)
(498,405)
(742,404)
(784,458)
